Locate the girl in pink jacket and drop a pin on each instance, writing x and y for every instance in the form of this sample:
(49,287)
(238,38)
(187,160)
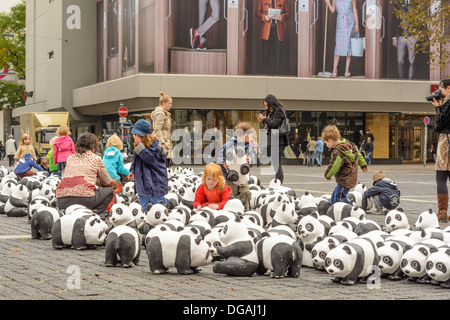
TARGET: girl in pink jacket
(63,147)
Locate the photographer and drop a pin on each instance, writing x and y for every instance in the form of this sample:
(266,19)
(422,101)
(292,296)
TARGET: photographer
(441,100)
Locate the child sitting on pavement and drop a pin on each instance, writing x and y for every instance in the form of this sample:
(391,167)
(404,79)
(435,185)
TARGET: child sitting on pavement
(344,163)
(23,168)
(384,194)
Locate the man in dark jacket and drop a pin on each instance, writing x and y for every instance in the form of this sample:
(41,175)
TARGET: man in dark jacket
(368,148)
(384,194)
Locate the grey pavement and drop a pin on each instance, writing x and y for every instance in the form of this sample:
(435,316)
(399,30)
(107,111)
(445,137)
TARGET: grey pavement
(33,270)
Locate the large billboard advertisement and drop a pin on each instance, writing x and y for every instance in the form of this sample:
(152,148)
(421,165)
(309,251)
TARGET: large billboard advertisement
(335,38)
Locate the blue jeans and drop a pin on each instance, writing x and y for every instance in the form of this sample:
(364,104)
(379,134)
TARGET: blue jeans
(340,195)
(319,158)
(368,160)
(144,201)
(310,158)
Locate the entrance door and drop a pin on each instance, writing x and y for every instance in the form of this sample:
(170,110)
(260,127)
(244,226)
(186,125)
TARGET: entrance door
(410,142)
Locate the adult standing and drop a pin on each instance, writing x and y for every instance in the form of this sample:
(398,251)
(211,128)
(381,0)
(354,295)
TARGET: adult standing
(86,180)
(442,127)
(368,148)
(275,115)
(198,41)
(312,144)
(319,151)
(11,148)
(346,23)
(162,124)
(272,30)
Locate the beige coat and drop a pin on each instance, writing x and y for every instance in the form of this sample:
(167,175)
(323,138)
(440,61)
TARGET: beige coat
(162,128)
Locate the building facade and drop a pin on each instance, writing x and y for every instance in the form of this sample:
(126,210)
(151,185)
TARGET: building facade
(89,57)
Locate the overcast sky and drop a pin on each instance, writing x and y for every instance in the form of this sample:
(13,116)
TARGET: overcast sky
(5,5)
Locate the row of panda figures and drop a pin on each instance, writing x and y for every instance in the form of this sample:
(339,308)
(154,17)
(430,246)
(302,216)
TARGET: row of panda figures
(280,234)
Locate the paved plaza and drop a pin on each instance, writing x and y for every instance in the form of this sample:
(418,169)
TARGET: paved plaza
(34,270)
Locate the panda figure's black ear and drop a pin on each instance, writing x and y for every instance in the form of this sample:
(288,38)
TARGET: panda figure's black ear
(149,206)
(347,249)
(430,211)
(400,209)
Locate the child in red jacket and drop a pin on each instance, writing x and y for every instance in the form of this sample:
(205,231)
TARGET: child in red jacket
(213,192)
(63,147)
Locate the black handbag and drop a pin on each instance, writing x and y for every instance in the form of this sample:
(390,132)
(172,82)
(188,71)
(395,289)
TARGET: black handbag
(285,127)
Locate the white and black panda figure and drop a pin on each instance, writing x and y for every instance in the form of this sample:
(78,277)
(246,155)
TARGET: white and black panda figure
(181,213)
(365,226)
(323,246)
(121,215)
(238,167)
(37,203)
(138,213)
(197,228)
(308,209)
(205,214)
(187,196)
(128,191)
(235,205)
(77,208)
(256,232)
(172,199)
(17,204)
(221,216)
(341,210)
(351,261)
(3,171)
(414,260)
(438,266)
(391,252)
(427,219)
(169,225)
(4,195)
(283,230)
(238,251)
(268,209)
(78,231)
(323,205)
(310,229)
(281,255)
(156,214)
(122,244)
(396,219)
(212,238)
(174,249)
(349,223)
(285,215)
(42,222)
(253,217)
(254,180)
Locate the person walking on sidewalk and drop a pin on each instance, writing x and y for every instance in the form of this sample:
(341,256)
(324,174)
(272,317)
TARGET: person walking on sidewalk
(368,148)
(11,148)
(319,151)
(442,165)
(311,148)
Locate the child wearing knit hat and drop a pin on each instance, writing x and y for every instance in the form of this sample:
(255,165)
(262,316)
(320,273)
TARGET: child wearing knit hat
(384,194)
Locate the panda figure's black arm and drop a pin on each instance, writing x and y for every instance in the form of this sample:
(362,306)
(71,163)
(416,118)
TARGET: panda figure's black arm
(237,249)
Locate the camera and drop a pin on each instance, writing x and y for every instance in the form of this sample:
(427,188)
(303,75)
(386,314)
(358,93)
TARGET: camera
(435,95)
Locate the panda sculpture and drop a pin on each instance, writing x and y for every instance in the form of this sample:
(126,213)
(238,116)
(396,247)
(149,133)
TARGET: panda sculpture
(204,214)
(365,226)
(42,222)
(280,254)
(171,249)
(253,217)
(351,261)
(78,231)
(285,215)
(323,246)
(36,203)
(212,238)
(121,215)
(438,266)
(5,194)
(238,251)
(17,204)
(181,213)
(414,260)
(122,244)
(341,210)
(238,167)
(396,219)
(427,219)
(169,225)
(391,252)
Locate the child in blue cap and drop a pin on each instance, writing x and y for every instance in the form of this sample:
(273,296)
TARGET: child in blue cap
(148,168)
(23,168)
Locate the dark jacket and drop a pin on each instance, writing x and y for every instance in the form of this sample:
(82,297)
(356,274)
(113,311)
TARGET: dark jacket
(442,124)
(387,191)
(344,163)
(368,146)
(273,121)
(150,171)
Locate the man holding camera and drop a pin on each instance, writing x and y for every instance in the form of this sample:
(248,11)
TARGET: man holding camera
(441,100)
